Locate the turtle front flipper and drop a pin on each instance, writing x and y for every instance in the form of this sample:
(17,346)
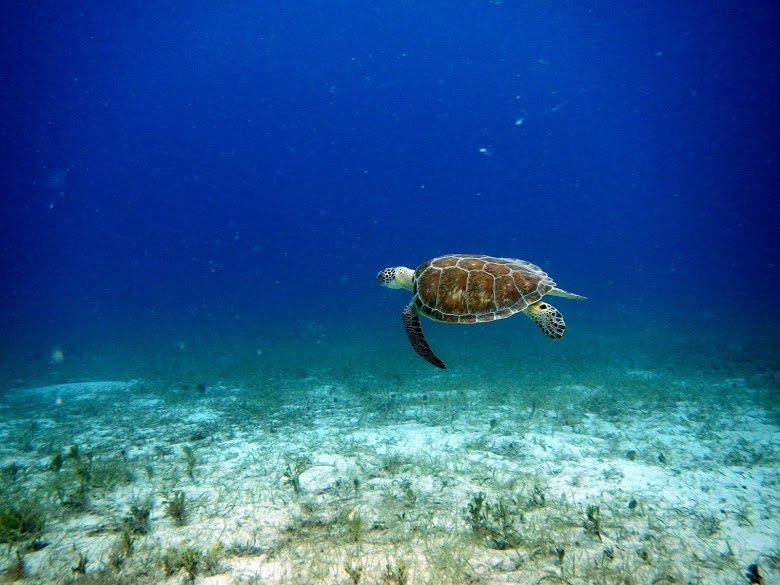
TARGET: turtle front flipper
(548,318)
(417,338)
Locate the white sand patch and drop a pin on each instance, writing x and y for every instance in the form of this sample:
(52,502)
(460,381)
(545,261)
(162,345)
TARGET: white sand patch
(409,439)
(144,403)
(71,391)
(642,374)
(201,415)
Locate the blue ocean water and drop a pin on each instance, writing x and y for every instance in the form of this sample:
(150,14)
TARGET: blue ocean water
(197,171)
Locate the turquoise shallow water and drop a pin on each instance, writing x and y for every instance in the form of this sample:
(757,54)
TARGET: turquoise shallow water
(597,340)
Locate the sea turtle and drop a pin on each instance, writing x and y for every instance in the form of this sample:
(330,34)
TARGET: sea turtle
(469,288)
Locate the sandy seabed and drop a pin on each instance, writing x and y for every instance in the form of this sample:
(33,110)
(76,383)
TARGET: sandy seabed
(364,476)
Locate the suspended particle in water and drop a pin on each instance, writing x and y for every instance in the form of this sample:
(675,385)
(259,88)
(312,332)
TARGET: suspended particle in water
(485,151)
(57,355)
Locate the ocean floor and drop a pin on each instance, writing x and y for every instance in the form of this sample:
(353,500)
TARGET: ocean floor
(608,473)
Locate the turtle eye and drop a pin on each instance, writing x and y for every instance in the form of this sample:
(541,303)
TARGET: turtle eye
(543,307)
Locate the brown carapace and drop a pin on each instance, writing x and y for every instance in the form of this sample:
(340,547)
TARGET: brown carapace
(467,288)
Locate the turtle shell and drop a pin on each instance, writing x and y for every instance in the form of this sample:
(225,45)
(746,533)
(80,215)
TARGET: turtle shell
(464,288)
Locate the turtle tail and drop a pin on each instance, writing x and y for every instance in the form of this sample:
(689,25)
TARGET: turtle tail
(417,338)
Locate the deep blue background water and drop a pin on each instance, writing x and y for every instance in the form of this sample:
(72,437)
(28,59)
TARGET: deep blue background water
(186,166)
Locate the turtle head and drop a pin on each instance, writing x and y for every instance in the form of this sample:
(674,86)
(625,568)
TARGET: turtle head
(398,277)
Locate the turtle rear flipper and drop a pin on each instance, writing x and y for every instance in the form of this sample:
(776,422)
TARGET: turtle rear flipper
(548,318)
(417,338)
